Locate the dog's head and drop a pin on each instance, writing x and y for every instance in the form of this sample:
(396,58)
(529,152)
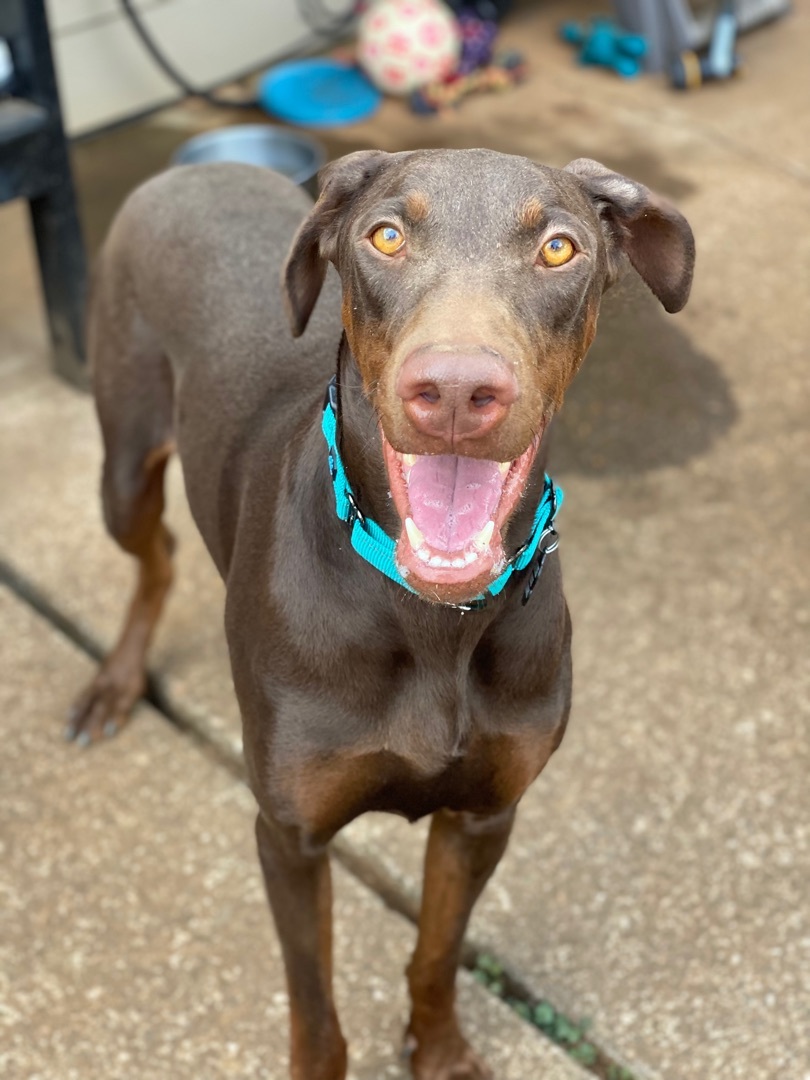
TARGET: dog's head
(471,289)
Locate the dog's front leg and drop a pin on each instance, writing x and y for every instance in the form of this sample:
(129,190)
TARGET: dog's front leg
(299,888)
(462,852)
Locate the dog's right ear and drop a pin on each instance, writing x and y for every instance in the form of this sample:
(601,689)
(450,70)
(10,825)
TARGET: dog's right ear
(316,241)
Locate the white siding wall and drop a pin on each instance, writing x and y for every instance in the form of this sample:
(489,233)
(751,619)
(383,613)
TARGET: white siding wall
(105,74)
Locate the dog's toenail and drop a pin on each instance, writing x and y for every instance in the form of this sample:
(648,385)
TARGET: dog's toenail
(110,728)
(69,732)
(83,739)
(409,1046)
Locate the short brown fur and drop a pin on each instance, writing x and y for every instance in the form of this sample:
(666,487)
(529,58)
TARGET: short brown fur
(355,694)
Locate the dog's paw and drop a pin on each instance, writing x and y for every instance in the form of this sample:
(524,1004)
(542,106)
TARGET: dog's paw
(445,1058)
(105,705)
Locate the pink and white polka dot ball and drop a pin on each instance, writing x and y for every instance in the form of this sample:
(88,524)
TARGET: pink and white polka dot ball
(406,44)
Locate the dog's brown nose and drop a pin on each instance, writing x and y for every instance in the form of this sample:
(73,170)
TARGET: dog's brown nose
(456,396)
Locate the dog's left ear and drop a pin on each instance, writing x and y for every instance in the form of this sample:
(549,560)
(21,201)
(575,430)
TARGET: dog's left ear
(316,240)
(655,236)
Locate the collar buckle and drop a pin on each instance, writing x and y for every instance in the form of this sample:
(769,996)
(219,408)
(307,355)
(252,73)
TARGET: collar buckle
(330,398)
(472,605)
(355,513)
(520,551)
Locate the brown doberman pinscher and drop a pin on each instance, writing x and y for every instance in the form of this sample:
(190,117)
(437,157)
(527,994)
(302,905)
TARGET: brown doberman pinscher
(383,652)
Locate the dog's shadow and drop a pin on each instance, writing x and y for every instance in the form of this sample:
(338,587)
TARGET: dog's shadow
(644,398)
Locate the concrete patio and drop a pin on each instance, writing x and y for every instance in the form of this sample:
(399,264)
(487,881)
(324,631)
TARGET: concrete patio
(659,875)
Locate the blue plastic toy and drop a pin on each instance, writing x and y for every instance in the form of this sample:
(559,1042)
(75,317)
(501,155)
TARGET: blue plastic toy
(605,44)
(318,92)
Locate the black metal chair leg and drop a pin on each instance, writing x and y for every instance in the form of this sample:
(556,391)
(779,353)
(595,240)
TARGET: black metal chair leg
(35,165)
(62,271)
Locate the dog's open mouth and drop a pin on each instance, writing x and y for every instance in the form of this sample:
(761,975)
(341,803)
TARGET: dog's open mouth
(453,510)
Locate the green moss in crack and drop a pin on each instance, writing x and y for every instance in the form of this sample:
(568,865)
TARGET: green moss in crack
(570,1035)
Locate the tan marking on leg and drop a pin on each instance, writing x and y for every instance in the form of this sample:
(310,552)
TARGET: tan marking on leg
(160,453)
(462,852)
(106,704)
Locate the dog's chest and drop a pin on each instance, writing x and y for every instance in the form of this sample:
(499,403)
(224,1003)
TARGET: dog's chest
(433,734)
(369,712)
(322,793)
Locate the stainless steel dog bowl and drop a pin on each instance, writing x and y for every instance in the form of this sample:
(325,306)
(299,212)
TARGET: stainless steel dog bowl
(288,152)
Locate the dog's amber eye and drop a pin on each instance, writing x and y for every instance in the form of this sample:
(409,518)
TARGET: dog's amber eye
(557,251)
(387,239)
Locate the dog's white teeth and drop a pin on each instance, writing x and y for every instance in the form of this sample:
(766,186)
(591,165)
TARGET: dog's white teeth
(409,460)
(481,542)
(458,563)
(415,537)
(504,467)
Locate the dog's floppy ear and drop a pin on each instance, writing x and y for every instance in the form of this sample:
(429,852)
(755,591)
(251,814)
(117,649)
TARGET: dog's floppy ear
(315,242)
(655,236)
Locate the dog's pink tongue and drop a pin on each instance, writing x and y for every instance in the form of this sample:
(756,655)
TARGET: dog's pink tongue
(452,498)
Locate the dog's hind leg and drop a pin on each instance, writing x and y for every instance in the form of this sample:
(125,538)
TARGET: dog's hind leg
(134,399)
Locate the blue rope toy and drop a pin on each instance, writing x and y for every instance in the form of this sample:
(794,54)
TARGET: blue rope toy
(376,546)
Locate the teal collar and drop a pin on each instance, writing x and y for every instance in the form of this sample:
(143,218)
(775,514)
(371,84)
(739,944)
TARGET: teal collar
(376,546)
